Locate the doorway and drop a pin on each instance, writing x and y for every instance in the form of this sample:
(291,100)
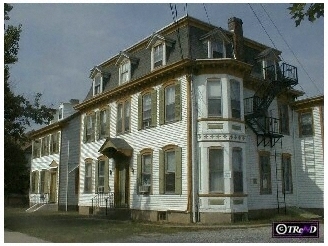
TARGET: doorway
(53,187)
(121,184)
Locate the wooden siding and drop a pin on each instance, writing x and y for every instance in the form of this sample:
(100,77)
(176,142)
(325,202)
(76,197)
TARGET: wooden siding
(311,165)
(70,143)
(154,138)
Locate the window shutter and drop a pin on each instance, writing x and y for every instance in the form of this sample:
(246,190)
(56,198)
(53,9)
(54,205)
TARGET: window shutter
(108,121)
(96,176)
(37,175)
(51,141)
(42,147)
(151,175)
(161,106)
(154,108)
(46,181)
(140,112)
(97,129)
(85,129)
(93,127)
(178,101)
(106,178)
(161,172)
(138,172)
(178,171)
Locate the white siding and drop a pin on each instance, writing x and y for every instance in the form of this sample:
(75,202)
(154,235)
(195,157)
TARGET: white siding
(69,158)
(154,138)
(310,168)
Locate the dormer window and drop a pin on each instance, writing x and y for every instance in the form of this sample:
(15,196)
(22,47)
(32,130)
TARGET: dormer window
(99,78)
(124,72)
(125,62)
(158,56)
(269,59)
(97,85)
(218,44)
(61,113)
(159,50)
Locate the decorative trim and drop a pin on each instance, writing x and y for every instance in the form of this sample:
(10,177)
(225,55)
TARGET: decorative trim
(223,195)
(221,137)
(221,119)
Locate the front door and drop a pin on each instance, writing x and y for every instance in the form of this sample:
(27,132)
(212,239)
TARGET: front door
(53,187)
(121,189)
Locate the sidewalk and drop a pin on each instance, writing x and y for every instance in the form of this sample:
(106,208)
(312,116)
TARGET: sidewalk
(17,237)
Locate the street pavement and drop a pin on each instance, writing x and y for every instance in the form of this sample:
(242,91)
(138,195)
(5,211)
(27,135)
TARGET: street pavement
(17,237)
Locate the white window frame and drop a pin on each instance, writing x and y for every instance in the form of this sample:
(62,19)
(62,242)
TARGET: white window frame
(126,63)
(210,48)
(157,44)
(61,112)
(212,98)
(95,90)
(218,170)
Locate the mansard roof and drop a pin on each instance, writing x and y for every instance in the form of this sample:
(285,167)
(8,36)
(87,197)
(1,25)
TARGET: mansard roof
(216,33)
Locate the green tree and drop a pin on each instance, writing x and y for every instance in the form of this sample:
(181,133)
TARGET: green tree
(312,11)
(19,113)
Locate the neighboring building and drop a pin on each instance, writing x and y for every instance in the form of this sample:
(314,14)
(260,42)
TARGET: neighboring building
(309,143)
(192,124)
(55,162)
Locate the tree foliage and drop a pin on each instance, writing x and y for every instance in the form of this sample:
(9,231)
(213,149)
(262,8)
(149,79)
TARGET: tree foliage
(19,113)
(312,11)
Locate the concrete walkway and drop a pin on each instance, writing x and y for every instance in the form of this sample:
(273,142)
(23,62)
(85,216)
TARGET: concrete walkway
(17,237)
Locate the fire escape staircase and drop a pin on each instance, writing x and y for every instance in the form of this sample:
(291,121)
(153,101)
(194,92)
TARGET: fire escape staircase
(278,78)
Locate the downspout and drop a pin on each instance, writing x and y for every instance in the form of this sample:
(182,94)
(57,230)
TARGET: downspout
(294,159)
(194,152)
(67,174)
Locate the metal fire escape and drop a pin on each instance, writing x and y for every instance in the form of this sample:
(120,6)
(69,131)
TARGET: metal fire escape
(278,78)
(267,129)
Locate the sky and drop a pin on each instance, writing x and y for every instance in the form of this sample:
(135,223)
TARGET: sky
(61,42)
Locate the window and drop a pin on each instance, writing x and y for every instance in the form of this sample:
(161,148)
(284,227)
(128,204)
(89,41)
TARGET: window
(103,123)
(217,49)
(214,98)
(170,103)
(284,119)
(60,113)
(42,181)
(34,182)
(101,176)
(215,161)
(54,144)
(77,180)
(237,168)
(170,173)
(89,127)
(146,110)
(265,173)
(45,146)
(158,55)
(36,148)
(146,170)
(287,184)
(123,117)
(124,72)
(88,177)
(235,98)
(97,84)
(306,124)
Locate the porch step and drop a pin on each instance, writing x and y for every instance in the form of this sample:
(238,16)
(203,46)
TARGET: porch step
(43,207)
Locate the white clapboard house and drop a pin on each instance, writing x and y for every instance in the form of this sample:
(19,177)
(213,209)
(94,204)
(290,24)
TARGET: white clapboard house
(195,123)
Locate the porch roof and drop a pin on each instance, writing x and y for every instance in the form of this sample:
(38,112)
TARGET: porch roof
(113,145)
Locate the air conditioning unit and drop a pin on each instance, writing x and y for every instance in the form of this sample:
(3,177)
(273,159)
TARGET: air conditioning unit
(100,189)
(144,189)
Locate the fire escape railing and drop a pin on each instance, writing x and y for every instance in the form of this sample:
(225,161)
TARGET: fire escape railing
(276,80)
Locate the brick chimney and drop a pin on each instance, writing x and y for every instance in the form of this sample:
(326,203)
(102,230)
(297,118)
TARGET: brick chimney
(235,25)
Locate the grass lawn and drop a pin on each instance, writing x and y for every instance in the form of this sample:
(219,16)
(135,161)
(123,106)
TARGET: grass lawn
(71,227)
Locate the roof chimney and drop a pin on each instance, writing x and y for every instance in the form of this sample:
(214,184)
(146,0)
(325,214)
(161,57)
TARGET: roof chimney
(235,25)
